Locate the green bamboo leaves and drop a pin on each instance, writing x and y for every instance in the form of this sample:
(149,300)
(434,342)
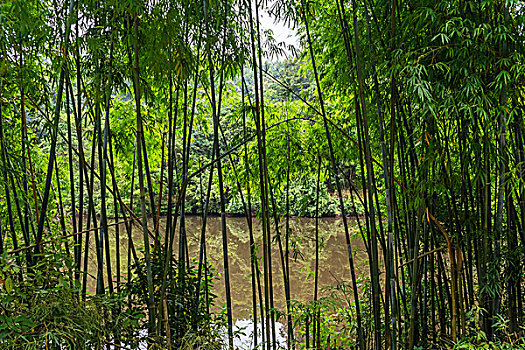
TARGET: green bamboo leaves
(409,116)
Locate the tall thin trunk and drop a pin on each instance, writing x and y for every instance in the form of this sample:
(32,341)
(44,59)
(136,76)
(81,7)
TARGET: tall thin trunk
(139,145)
(215,118)
(339,189)
(52,151)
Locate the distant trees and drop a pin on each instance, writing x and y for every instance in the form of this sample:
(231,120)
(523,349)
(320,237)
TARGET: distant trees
(133,110)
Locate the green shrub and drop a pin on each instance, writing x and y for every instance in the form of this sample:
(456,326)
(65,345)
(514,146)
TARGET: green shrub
(44,310)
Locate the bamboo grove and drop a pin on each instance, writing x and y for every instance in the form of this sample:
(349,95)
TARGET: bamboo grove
(118,117)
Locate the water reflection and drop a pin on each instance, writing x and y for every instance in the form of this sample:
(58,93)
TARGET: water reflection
(333,258)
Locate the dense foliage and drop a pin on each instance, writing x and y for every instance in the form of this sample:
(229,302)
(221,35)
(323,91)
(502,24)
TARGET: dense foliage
(407,116)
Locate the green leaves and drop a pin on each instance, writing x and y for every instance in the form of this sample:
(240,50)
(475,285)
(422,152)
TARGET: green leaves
(8,284)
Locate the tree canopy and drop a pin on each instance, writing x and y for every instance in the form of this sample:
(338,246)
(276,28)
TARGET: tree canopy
(403,119)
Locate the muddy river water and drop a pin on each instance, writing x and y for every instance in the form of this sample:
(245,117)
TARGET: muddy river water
(333,257)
